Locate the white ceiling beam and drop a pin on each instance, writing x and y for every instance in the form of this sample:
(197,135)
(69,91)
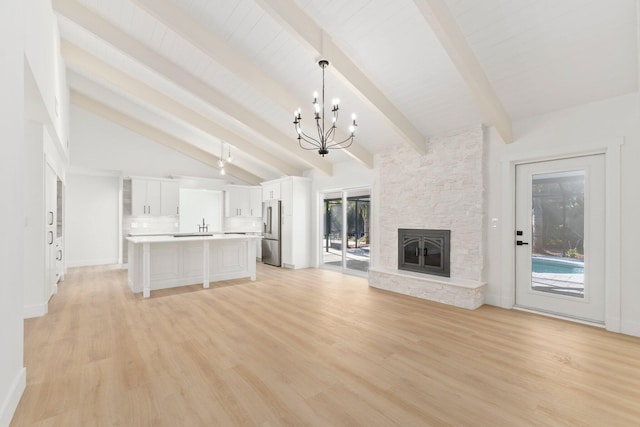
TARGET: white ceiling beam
(220,51)
(298,23)
(89,104)
(93,68)
(131,47)
(446,29)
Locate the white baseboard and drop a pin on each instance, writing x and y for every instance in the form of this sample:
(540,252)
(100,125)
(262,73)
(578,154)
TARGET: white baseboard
(34,310)
(492,299)
(10,402)
(630,328)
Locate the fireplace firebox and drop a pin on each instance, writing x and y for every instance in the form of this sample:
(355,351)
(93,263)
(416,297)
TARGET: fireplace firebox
(424,251)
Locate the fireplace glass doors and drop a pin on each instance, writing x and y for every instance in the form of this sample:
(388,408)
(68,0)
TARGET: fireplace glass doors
(424,251)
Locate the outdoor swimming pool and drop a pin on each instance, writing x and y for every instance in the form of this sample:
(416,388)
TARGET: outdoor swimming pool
(557,266)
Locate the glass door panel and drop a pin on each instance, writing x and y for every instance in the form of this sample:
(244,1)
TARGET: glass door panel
(411,251)
(433,252)
(332,230)
(557,218)
(357,249)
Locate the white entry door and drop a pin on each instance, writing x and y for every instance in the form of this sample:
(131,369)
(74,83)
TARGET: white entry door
(560,237)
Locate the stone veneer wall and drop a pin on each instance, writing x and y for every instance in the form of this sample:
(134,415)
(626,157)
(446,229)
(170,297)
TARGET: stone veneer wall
(443,189)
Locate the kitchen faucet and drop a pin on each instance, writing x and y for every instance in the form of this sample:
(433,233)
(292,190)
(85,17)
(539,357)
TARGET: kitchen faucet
(203,227)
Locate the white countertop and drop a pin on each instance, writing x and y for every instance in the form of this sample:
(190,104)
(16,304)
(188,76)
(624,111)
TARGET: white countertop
(191,238)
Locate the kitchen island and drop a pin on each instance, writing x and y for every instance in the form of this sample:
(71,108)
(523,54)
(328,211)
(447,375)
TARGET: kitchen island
(167,261)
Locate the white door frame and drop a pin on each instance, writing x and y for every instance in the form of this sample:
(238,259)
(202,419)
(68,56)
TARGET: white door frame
(611,150)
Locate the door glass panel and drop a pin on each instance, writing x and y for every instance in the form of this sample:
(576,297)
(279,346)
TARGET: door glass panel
(433,252)
(332,235)
(357,250)
(557,220)
(411,247)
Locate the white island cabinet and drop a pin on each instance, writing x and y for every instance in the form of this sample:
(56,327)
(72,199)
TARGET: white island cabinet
(160,262)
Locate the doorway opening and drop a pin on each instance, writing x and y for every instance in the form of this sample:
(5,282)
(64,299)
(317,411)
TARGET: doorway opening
(345,230)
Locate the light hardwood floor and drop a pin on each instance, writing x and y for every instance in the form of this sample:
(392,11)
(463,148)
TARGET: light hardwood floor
(312,347)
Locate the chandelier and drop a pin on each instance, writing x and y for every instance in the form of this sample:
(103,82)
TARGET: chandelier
(325,140)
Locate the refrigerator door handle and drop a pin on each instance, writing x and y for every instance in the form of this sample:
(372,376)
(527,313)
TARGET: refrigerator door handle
(269,218)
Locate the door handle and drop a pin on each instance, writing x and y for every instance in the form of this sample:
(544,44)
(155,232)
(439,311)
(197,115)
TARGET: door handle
(424,252)
(50,237)
(520,243)
(50,218)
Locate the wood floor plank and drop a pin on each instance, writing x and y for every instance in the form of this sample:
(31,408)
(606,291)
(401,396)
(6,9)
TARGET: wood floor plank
(312,348)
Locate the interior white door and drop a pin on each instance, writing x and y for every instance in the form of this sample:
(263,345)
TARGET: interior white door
(560,238)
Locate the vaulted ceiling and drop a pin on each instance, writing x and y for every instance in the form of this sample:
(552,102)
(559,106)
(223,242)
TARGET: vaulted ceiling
(190,74)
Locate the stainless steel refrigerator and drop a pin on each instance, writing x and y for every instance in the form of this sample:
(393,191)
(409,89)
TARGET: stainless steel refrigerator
(271,250)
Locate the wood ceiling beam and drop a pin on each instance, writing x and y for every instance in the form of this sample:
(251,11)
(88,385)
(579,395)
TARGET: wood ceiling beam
(136,50)
(303,27)
(446,29)
(93,68)
(98,108)
(220,51)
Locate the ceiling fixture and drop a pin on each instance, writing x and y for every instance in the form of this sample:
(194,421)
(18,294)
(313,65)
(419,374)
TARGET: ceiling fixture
(221,161)
(325,140)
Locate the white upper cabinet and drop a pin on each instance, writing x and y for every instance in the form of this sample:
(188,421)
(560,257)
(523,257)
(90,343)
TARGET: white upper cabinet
(270,190)
(154,197)
(145,197)
(255,206)
(243,201)
(236,201)
(169,198)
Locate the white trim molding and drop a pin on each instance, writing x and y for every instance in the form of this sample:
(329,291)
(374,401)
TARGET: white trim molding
(35,310)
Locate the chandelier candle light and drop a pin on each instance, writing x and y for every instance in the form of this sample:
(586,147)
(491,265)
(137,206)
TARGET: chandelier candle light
(325,141)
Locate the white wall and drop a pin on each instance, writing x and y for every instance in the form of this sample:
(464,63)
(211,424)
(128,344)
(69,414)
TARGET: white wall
(571,130)
(12,372)
(199,205)
(42,50)
(346,175)
(98,144)
(92,219)
(35,301)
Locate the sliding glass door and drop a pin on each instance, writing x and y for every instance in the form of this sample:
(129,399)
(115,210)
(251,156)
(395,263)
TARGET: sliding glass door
(332,254)
(345,234)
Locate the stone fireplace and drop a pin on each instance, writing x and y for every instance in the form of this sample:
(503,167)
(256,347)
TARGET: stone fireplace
(442,189)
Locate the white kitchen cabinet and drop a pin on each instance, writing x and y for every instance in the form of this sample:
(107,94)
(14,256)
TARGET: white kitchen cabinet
(59,259)
(169,198)
(145,197)
(271,190)
(154,197)
(255,206)
(236,201)
(295,196)
(51,200)
(243,201)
